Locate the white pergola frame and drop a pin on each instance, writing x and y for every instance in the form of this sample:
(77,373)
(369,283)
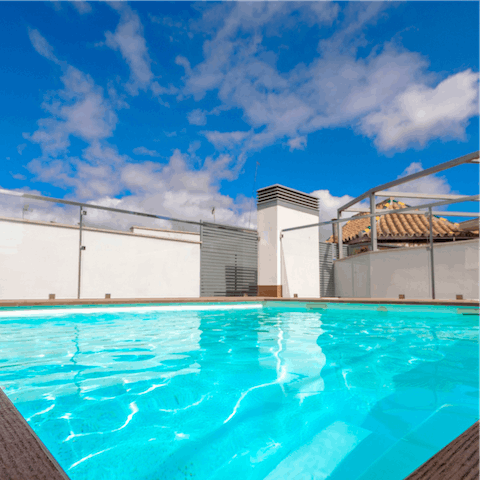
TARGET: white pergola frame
(380,191)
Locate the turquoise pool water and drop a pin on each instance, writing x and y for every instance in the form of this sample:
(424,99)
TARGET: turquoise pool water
(342,393)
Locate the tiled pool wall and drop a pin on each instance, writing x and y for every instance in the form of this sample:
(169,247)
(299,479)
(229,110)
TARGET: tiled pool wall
(296,305)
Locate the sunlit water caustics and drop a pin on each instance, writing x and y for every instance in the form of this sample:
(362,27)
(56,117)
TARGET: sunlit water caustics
(243,394)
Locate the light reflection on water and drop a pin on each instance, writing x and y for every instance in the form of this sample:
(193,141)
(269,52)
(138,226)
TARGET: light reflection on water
(243,394)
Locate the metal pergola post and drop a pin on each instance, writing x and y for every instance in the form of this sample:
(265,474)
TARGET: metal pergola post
(340,235)
(80,249)
(373,223)
(432,266)
(201,252)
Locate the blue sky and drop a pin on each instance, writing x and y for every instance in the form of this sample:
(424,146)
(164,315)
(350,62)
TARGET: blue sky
(168,106)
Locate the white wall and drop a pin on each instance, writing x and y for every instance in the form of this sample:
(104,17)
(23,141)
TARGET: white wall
(268,262)
(292,262)
(129,266)
(389,273)
(160,233)
(299,251)
(37,259)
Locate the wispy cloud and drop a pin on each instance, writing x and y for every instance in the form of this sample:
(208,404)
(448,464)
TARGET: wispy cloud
(21,148)
(297,143)
(384,92)
(146,152)
(82,6)
(225,140)
(197,117)
(328,205)
(422,113)
(103,175)
(79,109)
(128,38)
(18,176)
(41,45)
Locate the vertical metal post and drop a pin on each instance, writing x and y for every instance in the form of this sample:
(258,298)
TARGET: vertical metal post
(340,236)
(432,266)
(80,248)
(373,223)
(320,259)
(201,248)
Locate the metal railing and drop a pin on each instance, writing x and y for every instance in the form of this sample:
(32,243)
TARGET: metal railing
(406,210)
(83,206)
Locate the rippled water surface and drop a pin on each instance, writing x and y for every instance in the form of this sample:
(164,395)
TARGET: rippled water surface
(243,394)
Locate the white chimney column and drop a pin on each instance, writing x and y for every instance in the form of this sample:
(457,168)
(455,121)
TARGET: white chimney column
(288,265)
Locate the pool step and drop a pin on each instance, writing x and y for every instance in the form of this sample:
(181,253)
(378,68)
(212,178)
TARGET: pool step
(319,458)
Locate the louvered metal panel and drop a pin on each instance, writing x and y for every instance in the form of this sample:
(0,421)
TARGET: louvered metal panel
(279,195)
(228,261)
(328,252)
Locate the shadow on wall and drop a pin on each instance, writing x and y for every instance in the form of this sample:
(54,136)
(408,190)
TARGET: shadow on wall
(284,278)
(240,281)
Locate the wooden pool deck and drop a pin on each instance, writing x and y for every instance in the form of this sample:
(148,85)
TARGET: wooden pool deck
(457,461)
(22,454)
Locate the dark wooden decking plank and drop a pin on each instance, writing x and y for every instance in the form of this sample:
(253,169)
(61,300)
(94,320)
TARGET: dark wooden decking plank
(457,461)
(22,454)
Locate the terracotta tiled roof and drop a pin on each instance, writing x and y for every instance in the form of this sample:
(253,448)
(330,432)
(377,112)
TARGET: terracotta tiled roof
(400,226)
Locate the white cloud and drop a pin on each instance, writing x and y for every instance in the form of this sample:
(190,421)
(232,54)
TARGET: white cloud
(376,95)
(21,148)
(82,6)
(173,189)
(102,175)
(328,206)
(18,176)
(421,113)
(128,38)
(197,117)
(80,109)
(228,140)
(145,151)
(42,46)
(437,184)
(297,143)
(158,89)
(18,207)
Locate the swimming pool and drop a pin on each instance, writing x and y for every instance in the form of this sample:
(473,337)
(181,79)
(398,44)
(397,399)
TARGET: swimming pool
(251,391)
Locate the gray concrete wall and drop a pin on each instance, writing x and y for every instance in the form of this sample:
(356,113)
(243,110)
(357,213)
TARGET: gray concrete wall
(389,273)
